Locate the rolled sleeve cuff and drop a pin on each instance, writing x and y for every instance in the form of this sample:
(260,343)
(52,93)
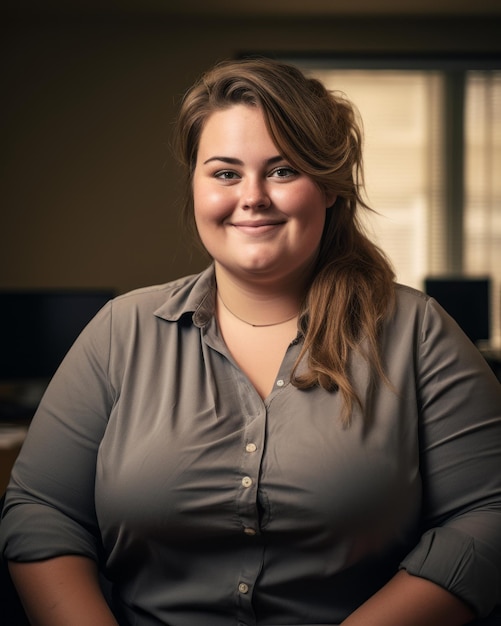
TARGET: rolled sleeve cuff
(451,559)
(40,532)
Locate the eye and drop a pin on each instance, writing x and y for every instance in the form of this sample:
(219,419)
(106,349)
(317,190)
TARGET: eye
(226,175)
(284,171)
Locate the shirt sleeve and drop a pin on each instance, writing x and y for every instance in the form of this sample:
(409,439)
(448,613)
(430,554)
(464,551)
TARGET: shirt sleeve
(460,461)
(49,509)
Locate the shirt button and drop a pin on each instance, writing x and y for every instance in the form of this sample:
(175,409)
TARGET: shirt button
(249,531)
(243,588)
(280,383)
(251,447)
(246,481)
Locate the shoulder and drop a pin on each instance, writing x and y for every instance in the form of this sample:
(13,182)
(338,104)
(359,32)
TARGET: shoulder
(420,326)
(168,301)
(410,308)
(153,295)
(136,323)
(419,318)
(408,297)
(141,312)
(412,303)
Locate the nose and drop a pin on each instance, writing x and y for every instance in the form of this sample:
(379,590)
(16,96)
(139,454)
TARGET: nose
(254,194)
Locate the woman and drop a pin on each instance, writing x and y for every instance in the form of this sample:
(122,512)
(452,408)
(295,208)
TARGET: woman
(288,438)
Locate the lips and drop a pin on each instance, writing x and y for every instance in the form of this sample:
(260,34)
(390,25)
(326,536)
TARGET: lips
(257,227)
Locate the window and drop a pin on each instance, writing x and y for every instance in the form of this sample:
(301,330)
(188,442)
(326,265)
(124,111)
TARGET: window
(482,217)
(404,183)
(432,162)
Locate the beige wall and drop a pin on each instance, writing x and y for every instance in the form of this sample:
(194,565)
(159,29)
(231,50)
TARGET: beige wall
(89,190)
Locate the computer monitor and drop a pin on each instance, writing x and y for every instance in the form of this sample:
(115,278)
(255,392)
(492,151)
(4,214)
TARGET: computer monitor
(38,327)
(466,299)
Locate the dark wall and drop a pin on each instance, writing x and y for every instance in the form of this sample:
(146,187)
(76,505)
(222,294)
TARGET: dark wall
(90,193)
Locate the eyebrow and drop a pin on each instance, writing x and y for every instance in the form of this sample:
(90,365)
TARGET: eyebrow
(233,161)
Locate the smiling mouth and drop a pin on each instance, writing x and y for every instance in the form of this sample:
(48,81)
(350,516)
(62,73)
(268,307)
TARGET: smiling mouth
(256,228)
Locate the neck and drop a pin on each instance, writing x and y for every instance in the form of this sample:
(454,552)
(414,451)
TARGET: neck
(257,305)
(241,319)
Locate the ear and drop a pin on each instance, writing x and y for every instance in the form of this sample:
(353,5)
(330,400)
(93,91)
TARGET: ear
(330,199)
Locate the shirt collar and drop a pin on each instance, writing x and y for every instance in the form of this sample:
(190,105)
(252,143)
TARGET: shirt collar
(193,295)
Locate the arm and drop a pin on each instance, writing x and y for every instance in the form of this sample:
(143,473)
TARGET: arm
(411,601)
(460,451)
(49,509)
(63,591)
(452,574)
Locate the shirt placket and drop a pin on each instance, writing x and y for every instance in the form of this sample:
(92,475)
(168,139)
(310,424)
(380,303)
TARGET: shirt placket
(254,415)
(252,446)
(252,454)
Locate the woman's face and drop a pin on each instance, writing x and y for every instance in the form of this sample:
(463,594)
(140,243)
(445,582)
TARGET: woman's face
(257,217)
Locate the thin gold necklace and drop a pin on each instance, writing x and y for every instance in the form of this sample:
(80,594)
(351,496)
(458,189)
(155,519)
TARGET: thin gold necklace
(249,323)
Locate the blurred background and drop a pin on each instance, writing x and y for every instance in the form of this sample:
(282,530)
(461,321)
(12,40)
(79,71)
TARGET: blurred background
(90,193)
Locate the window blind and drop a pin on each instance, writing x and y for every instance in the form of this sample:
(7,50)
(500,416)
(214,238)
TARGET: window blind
(403,154)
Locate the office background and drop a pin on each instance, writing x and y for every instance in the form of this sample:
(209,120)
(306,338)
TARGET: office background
(90,192)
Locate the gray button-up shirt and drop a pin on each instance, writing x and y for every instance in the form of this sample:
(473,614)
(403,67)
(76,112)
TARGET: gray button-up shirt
(205,505)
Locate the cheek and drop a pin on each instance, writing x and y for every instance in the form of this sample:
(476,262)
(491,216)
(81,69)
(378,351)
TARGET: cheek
(313,230)
(312,218)
(209,204)
(309,207)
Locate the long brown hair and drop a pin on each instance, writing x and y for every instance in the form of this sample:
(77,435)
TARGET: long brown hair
(352,286)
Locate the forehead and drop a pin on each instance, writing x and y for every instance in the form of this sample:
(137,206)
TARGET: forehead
(236,126)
